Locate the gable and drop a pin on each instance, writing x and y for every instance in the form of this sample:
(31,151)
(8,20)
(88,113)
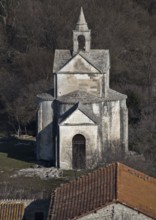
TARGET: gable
(99,58)
(78,65)
(77,117)
(120,212)
(106,185)
(136,190)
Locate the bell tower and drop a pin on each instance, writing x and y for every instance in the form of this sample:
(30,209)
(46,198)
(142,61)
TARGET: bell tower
(85,117)
(81,35)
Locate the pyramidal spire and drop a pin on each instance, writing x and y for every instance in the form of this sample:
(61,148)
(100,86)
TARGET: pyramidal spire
(81,24)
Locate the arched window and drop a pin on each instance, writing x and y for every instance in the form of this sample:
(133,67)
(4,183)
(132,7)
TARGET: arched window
(81,42)
(79,152)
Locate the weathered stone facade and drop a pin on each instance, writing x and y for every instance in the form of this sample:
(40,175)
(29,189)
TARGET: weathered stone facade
(84,117)
(115,212)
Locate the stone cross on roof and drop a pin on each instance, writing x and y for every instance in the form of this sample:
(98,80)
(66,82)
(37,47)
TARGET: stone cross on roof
(81,24)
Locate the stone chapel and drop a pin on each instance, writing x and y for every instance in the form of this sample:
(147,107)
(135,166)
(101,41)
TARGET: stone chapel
(83,118)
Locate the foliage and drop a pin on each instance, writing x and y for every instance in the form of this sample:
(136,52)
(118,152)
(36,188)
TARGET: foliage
(31,30)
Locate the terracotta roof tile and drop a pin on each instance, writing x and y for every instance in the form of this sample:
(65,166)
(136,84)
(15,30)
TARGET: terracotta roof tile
(84,194)
(136,190)
(113,183)
(11,211)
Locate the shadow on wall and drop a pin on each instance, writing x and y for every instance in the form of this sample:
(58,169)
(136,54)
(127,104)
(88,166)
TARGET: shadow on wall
(47,138)
(47,141)
(45,150)
(37,210)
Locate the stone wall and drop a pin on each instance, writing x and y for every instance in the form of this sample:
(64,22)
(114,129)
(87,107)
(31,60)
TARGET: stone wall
(45,137)
(124,125)
(87,36)
(90,83)
(115,212)
(66,134)
(109,131)
(114,125)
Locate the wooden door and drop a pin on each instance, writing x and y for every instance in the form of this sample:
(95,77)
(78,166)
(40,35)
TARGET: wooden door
(79,152)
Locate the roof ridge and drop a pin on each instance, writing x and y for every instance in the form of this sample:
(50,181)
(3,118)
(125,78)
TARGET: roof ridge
(16,200)
(81,54)
(84,175)
(87,60)
(103,186)
(68,61)
(116,92)
(83,109)
(99,58)
(116,164)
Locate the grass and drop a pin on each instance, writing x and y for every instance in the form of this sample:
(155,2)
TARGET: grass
(17,154)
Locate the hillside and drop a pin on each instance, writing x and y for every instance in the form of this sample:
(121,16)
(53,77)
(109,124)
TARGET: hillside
(31,30)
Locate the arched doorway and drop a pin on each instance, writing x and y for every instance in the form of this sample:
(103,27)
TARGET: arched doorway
(81,42)
(79,152)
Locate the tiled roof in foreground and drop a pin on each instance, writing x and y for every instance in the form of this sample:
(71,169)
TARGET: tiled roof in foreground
(113,183)
(11,211)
